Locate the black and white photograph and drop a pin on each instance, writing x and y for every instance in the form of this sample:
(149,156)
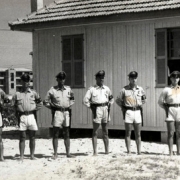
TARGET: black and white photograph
(90,89)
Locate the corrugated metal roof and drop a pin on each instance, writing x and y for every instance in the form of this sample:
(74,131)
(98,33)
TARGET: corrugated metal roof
(71,9)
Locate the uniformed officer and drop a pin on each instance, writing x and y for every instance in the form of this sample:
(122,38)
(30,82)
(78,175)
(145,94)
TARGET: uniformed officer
(59,99)
(99,98)
(169,100)
(130,100)
(3,99)
(26,103)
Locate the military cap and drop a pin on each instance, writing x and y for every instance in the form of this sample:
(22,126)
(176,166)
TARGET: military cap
(133,74)
(25,77)
(61,75)
(175,74)
(100,73)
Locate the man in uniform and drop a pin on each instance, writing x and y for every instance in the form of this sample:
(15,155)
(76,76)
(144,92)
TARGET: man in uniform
(99,99)
(130,100)
(59,99)
(3,99)
(169,100)
(26,103)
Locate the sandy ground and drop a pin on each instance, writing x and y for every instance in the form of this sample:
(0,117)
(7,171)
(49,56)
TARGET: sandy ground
(84,166)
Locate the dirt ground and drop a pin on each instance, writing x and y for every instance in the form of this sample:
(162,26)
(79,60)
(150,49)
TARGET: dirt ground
(152,164)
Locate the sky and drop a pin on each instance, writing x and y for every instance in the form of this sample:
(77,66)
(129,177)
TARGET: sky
(15,46)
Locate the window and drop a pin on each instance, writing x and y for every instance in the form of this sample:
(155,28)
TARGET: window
(12,85)
(19,74)
(1,82)
(73,60)
(12,76)
(167,54)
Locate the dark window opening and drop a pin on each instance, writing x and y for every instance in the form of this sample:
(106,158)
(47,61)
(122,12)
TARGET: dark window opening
(167,55)
(12,76)
(12,85)
(73,60)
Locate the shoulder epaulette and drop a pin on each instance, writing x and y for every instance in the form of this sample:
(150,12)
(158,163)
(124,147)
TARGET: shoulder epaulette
(91,87)
(33,90)
(67,86)
(125,87)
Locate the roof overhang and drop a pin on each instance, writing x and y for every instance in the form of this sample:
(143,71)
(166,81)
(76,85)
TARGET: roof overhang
(126,17)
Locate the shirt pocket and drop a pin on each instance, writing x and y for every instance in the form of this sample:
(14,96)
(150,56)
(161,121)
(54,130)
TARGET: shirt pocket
(95,96)
(128,96)
(57,98)
(139,96)
(170,98)
(32,100)
(127,93)
(106,95)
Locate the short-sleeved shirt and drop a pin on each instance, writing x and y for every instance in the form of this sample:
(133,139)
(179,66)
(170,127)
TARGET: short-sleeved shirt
(98,95)
(130,97)
(57,97)
(169,95)
(2,97)
(27,100)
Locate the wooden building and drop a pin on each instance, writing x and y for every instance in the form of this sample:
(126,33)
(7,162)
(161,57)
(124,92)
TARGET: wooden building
(118,36)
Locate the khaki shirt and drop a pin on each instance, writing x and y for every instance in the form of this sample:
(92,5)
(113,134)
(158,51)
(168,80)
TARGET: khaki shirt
(2,97)
(130,97)
(57,97)
(26,101)
(169,95)
(98,95)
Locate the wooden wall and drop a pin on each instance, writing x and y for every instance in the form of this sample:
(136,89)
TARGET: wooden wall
(117,48)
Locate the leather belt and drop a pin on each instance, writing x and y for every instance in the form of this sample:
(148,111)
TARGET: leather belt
(132,108)
(61,109)
(98,105)
(26,113)
(173,105)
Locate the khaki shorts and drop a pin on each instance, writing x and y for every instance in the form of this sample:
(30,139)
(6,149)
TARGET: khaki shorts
(173,114)
(102,115)
(61,119)
(28,122)
(133,116)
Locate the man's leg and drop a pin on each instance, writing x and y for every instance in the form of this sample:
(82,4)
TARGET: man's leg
(55,141)
(1,146)
(94,137)
(67,141)
(32,143)
(105,137)
(22,144)
(128,128)
(177,125)
(170,128)
(137,131)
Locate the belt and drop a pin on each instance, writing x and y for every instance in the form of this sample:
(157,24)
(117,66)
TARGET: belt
(26,113)
(132,108)
(61,109)
(173,105)
(98,105)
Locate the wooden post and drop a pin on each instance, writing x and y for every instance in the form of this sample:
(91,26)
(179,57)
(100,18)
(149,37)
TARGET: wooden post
(164,136)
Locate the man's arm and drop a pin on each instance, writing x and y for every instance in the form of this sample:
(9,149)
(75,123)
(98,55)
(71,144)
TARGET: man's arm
(161,100)
(143,97)
(87,98)
(39,103)
(111,98)
(47,100)
(120,99)
(72,99)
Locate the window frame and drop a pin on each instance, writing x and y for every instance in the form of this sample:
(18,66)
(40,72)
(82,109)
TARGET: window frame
(167,55)
(73,61)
